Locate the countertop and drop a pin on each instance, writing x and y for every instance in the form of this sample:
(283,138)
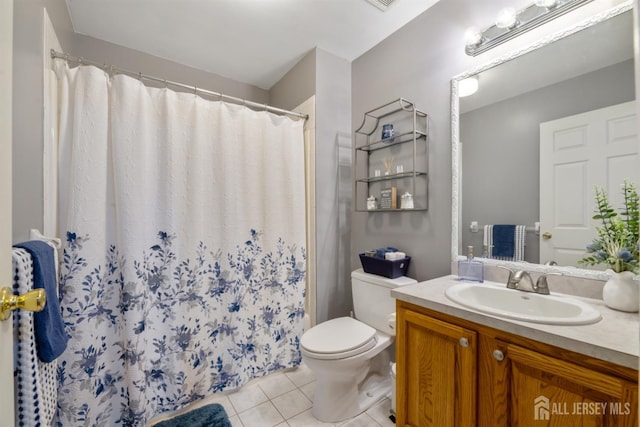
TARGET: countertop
(615,338)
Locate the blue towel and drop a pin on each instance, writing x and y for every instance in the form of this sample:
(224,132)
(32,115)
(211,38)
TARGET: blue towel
(50,335)
(504,238)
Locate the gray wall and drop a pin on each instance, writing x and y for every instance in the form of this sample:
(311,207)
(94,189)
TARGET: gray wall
(417,62)
(28,98)
(501,149)
(333,185)
(134,60)
(27,107)
(329,77)
(298,85)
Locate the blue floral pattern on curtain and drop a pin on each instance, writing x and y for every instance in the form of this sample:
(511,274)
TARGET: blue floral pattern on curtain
(174,330)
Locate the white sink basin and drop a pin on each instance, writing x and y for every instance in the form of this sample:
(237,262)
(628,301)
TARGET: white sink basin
(525,306)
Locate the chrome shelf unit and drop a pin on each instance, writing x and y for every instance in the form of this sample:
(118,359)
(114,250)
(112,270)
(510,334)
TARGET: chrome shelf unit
(400,161)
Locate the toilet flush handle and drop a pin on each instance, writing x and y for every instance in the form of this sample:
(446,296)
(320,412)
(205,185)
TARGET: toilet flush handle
(392,321)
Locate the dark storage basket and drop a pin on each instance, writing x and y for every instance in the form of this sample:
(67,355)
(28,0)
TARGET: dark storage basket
(383,267)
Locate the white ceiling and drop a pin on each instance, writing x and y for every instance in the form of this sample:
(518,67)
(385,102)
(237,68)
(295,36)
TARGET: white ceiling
(251,41)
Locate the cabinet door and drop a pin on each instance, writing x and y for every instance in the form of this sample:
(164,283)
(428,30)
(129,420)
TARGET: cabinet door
(540,390)
(436,372)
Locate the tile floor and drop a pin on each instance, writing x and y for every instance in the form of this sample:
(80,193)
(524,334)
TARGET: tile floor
(283,399)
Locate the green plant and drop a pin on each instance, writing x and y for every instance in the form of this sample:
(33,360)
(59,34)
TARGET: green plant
(617,244)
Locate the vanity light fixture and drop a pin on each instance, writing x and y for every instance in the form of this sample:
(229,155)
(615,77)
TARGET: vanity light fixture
(511,23)
(467,86)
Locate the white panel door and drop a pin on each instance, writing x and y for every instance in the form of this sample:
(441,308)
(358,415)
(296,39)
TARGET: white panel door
(6,330)
(599,147)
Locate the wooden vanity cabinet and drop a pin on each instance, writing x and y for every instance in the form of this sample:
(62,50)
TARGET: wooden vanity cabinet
(451,372)
(435,372)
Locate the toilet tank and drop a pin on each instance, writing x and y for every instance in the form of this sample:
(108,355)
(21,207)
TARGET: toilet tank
(372,301)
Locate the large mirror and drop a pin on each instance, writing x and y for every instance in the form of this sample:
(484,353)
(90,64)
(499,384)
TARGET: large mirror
(505,138)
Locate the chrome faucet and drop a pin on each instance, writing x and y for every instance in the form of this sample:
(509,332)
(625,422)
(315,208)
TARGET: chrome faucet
(542,287)
(522,281)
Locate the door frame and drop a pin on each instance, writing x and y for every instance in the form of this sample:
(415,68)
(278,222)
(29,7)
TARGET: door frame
(6,123)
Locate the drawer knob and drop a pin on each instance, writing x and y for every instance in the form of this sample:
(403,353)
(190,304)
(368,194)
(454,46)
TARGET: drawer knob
(464,342)
(498,355)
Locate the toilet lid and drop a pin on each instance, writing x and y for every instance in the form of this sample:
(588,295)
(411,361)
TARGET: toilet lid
(337,336)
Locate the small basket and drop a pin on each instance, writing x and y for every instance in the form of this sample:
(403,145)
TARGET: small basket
(385,267)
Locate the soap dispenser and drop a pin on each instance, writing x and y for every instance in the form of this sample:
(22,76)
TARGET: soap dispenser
(470,269)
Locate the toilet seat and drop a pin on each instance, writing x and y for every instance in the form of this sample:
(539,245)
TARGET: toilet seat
(338,339)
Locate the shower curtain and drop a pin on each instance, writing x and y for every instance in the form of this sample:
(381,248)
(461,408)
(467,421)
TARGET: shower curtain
(184,264)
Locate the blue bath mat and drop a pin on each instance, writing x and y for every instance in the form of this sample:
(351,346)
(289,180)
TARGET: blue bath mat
(212,415)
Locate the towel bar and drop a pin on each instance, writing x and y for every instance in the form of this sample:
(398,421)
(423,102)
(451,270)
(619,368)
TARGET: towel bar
(35,234)
(474,227)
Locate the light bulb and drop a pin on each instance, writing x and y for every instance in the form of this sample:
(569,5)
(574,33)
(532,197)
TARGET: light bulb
(546,3)
(506,18)
(473,37)
(468,86)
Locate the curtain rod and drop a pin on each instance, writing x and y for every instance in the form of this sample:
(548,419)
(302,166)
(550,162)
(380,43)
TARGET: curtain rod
(195,89)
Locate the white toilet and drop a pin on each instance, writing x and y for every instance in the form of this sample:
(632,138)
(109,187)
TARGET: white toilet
(350,356)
